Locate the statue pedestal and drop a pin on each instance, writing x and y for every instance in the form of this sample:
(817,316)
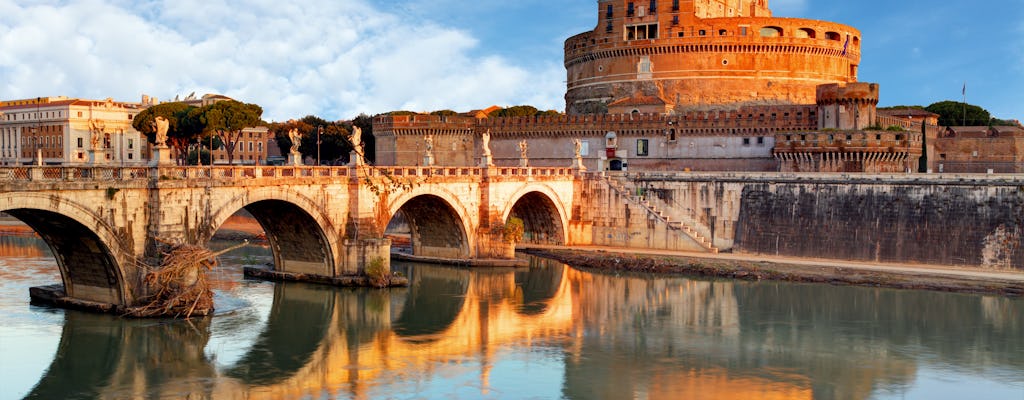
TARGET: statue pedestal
(486,161)
(523,163)
(96,158)
(428,160)
(161,156)
(295,159)
(355,159)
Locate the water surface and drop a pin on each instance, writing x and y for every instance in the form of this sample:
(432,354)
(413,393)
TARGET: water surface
(547,331)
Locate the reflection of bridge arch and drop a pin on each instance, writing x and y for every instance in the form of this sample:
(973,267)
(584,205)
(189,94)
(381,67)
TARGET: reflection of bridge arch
(87,250)
(299,320)
(543,217)
(438,223)
(435,298)
(300,235)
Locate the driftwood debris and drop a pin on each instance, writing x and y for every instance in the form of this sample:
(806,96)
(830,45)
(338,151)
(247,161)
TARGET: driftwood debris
(179,287)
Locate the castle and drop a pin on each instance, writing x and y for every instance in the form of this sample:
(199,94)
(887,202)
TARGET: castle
(702,85)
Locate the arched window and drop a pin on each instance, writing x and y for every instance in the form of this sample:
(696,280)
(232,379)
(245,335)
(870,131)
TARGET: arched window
(771,31)
(856,41)
(805,33)
(833,36)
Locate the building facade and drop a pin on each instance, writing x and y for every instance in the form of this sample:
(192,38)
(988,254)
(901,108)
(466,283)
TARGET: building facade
(65,131)
(979,149)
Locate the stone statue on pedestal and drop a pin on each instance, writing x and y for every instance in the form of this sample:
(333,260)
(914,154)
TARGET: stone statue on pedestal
(428,142)
(294,156)
(161,124)
(485,140)
(356,158)
(524,147)
(577,162)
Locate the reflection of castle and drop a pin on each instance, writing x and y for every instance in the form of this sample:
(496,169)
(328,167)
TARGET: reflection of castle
(676,84)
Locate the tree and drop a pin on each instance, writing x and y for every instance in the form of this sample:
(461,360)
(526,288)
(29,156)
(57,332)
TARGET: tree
(334,138)
(280,131)
(951,113)
(182,130)
(444,113)
(227,119)
(516,111)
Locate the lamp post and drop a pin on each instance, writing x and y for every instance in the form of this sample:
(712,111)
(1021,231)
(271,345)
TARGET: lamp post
(318,129)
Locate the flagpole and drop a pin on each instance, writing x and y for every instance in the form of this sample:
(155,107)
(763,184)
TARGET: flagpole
(965,104)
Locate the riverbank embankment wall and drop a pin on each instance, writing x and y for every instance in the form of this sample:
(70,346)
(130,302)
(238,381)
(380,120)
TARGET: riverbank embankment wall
(963,220)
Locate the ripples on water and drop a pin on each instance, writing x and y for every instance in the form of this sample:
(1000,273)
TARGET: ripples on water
(541,332)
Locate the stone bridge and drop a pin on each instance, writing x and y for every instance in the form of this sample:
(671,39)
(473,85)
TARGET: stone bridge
(324,221)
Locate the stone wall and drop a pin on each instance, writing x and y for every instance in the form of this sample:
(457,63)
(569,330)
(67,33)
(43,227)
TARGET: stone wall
(973,220)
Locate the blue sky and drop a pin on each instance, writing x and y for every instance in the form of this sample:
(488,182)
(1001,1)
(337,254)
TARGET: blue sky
(337,59)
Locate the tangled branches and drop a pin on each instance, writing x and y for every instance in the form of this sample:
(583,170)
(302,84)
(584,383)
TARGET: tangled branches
(179,287)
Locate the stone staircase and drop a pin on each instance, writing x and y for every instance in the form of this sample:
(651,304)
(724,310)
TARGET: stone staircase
(684,227)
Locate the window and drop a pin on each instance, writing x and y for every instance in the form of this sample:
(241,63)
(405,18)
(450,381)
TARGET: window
(259,147)
(722,32)
(641,147)
(250,147)
(675,5)
(746,141)
(131,143)
(642,32)
(629,9)
(131,156)
(609,28)
(675,21)
(833,36)
(702,32)
(760,140)
(771,31)
(79,142)
(79,114)
(743,31)
(805,33)
(608,14)
(653,7)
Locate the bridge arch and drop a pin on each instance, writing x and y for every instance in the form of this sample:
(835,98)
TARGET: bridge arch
(301,236)
(88,252)
(544,217)
(438,223)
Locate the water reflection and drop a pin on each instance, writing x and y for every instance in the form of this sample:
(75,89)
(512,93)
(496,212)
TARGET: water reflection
(548,331)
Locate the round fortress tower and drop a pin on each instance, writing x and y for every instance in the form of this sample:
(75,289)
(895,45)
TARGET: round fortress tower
(704,54)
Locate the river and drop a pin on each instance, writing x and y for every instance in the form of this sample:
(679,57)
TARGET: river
(547,331)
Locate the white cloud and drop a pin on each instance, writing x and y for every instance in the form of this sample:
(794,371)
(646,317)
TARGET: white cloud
(333,59)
